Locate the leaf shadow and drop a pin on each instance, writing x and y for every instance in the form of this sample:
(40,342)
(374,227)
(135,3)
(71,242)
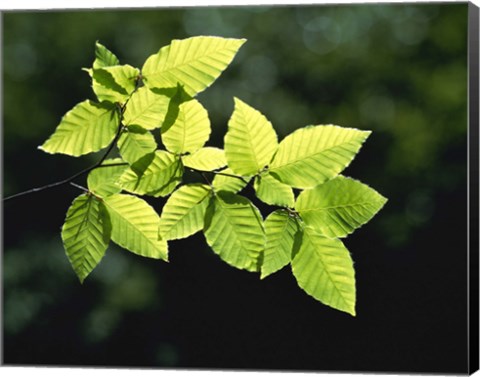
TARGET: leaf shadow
(106,79)
(177,96)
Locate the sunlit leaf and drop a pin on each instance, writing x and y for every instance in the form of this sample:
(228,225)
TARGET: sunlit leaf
(115,83)
(146,109)
(104,57)
(184,212)
(136,142)
(234,230)
(135,226)
(86,234)
(282,230)
(339,206)
(250,141)
(315,154)
(189,131)
(156,174)
(273,192)
(324,269)
(208,158)
(193,62)
(88,127)
(227,180)
(102,181)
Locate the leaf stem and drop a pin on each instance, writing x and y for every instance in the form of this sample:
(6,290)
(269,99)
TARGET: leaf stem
(79,187)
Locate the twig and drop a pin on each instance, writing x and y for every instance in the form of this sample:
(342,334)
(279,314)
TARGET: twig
(80,173)
(220,173)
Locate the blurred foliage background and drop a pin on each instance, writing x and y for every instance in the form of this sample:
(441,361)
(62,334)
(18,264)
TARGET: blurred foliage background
(399,70)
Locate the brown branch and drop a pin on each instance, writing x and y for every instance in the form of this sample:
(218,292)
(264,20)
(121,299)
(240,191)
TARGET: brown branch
(79,174)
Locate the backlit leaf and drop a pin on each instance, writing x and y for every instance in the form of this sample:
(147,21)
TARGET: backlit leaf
(189,131)
(227,180)
(324,269)
(208,158)
(102,181)
(136,142)
(184,212)
(104,57)
(115,83)
(250,141)
(234,230)
(146,109)
(88,127)
(86,234)
(135,226)
(273,192)
(281,232)
(315,154)
(156,174)
(194,62)
(339,206)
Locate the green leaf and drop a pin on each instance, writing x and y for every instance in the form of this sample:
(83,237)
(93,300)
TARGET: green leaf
(324,269)
(146,109)
(135,142)
(234,230)
(339,206)
(190,129)
(86,234)
(250,141)
(88,127)
(226,183)
(135,226)
(194,62)
(102,181)
(184,212)
(208,158)
(282,231)
(315,154)
(156,174)
(273,192)
(115,83)
(104,57)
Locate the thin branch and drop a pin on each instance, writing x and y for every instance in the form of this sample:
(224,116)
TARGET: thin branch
(220,173)
(79,174)
(121,127)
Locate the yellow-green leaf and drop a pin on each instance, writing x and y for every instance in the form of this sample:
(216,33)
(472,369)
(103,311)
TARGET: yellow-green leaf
(250,142)
(86,234)
(273,192)
(227,180)
(195,63)
(88,127)
(136,142)
(315,154)
(104,57)
(324,269)
(156,174)
(339,206)
(146,109)
(102,181)
(208,158)
(190,129)
(135,226)
(184,212)
(234,230)
(282,231)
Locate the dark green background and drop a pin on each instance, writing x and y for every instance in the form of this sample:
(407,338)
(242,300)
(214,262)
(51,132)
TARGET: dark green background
(399,70)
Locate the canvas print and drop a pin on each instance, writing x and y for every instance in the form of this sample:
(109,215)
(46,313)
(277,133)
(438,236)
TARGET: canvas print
(248,188)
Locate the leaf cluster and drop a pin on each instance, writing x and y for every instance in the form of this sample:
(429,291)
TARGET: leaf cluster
(136,107)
